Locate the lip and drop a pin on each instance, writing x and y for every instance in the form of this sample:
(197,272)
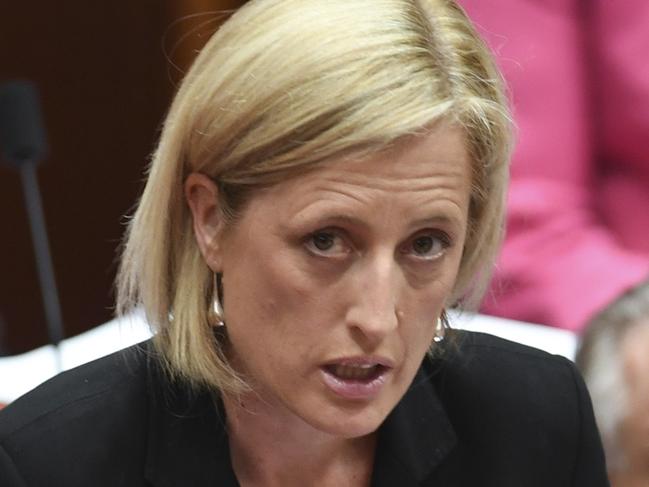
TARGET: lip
(352,389)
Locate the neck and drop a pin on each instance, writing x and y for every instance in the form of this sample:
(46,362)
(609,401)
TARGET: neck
(631,475)
(629,479)
(270,448)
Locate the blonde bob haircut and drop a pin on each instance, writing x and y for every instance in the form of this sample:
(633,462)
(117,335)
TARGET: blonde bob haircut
(282,87)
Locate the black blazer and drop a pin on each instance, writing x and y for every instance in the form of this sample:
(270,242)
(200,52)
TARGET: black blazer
(488,413)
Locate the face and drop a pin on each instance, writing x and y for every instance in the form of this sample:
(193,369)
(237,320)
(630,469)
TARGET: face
(635,427)
(334,281)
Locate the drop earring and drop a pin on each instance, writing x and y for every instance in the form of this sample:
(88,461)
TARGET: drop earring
(216,312)
(440,329)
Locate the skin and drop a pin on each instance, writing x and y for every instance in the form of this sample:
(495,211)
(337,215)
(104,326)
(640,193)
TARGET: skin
(354,259)
(634,430)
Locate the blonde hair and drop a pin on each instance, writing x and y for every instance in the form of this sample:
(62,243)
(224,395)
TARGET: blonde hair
(285,85)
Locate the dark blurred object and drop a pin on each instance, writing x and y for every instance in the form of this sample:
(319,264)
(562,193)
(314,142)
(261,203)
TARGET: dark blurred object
(104,82)
(22,144)
(22,137)
(3,337)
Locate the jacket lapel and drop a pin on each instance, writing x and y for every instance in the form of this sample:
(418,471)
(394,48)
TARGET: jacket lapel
(416,436)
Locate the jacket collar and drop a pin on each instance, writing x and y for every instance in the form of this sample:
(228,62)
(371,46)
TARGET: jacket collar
(188,444)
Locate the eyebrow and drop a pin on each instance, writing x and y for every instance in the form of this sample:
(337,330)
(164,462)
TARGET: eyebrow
(444,219)
(421,222)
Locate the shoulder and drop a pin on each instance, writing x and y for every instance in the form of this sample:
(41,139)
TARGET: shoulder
(468,350)
(77,390)
(511,401)
(506,375)
(100,403)
(519,416)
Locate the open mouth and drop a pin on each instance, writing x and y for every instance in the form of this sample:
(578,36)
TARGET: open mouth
(357,379)
(356,373)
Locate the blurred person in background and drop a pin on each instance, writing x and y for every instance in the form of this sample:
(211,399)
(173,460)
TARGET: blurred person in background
(614,360)
(578,209)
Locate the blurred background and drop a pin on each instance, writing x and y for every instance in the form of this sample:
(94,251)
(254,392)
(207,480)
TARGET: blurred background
(106,72)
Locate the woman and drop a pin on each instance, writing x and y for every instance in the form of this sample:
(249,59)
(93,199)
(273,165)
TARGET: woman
(330,178)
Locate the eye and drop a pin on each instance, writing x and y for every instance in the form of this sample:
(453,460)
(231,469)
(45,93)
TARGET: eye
(323,241)
(427,246)
(326,242)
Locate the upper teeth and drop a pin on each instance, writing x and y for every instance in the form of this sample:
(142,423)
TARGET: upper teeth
(359,371)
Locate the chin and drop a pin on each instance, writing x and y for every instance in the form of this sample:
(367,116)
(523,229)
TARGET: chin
(349,423)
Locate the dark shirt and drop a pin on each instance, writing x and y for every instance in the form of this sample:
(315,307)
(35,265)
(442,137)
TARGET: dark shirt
(484,413)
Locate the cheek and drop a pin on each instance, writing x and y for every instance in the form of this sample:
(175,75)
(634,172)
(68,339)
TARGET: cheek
(418,319)
(257,284)
(271,307)
(635,433)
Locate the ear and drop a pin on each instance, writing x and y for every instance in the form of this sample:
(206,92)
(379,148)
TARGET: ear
(201,194)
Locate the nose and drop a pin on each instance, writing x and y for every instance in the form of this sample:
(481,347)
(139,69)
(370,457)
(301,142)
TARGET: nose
(373,310)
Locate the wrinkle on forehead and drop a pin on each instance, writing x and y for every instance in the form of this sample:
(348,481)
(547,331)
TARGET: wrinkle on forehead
(424,177)
(442,152)
(429,170)
(349,181)
(370,191)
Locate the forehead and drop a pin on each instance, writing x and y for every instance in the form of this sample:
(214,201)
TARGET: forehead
(418,165)
(421,182)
